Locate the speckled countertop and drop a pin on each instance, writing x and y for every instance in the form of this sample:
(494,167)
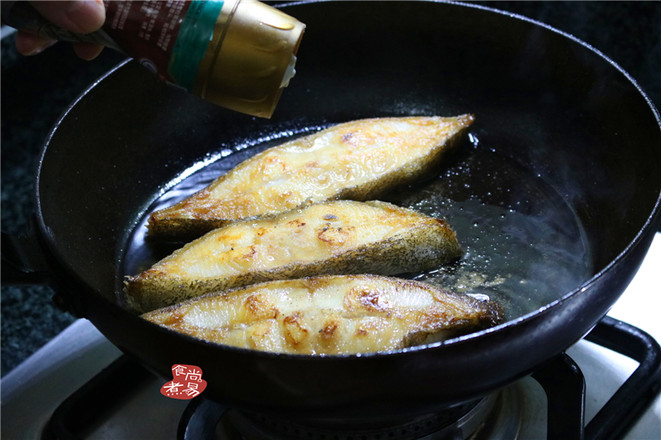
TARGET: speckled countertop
(36,90)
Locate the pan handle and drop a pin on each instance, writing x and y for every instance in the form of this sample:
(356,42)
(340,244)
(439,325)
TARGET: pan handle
(23,260)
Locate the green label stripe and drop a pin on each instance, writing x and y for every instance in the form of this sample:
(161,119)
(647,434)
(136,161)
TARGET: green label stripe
(194,35)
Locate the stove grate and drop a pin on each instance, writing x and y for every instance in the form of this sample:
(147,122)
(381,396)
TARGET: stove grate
(561,379)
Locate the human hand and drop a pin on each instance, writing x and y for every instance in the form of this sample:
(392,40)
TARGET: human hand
(79,16)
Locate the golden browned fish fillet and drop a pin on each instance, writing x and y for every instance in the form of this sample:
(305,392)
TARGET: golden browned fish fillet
(327,238)
(338,314)
(353,160)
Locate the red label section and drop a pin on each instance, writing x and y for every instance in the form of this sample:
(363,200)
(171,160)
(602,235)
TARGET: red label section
(146,30)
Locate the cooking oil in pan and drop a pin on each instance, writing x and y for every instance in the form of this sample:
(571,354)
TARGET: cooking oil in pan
(523,245)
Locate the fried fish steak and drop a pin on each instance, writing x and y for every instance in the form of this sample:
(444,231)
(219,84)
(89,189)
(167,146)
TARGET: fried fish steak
(334,237)
(337,314)
(355,160)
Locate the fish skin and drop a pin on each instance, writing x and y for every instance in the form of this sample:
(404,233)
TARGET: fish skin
(329,315)
(355,160)
(337,237)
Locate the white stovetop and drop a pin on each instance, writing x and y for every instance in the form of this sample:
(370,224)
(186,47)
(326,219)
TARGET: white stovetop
(32,391)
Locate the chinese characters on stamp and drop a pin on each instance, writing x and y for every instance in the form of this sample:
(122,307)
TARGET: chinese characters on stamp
(186,382)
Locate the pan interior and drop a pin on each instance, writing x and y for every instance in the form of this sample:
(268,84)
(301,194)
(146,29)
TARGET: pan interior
(524,245)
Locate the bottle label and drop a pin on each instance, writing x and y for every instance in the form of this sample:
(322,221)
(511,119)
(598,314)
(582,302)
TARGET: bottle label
(194,37)
(170,37)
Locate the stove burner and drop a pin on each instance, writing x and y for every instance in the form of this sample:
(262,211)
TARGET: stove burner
(500,415)
(208,420)
(495,416)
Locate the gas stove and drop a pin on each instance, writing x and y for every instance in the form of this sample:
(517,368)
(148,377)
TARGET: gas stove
(80,386)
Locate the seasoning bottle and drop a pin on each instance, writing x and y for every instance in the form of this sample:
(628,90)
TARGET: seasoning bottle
(239,54)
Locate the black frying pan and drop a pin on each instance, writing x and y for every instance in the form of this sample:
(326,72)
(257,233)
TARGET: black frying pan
(566,150)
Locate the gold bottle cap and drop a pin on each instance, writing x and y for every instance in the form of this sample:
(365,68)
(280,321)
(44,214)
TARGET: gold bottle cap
(250,58)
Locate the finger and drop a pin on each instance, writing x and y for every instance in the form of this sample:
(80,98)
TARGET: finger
(80,16)
(87,51)
(31,44)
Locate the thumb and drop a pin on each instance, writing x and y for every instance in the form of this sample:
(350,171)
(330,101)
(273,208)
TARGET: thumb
(79,16)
